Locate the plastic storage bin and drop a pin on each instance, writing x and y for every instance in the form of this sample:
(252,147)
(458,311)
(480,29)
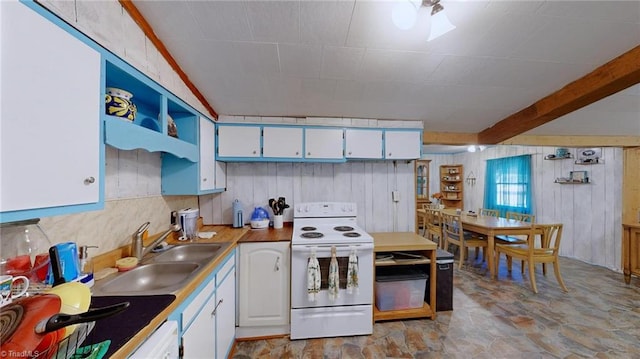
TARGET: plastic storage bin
(444,282)
(400,288)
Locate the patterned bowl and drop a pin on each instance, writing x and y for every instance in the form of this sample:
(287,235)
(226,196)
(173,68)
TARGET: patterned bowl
(118,103)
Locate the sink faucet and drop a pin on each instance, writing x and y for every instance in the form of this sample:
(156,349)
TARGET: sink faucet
(138,249)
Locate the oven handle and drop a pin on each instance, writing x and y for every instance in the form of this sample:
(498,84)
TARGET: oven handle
(327,247)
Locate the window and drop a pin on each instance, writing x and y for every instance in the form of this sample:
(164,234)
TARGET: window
(508,185)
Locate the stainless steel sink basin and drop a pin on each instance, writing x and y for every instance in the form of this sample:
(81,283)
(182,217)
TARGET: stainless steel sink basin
(152,278)
(162,273)
(194,252)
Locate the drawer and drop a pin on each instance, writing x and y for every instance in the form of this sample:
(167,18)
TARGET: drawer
(225,269)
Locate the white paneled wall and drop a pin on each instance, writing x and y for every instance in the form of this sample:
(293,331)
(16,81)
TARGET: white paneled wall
(369,184)
(591,213)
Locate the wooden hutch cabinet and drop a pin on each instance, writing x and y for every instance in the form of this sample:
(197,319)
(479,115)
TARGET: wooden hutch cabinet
(451,186)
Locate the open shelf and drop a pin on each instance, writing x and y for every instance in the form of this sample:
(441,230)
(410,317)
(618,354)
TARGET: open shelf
(423,312)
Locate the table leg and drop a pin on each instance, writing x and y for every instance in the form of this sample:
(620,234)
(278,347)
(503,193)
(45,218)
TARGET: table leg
(490,255)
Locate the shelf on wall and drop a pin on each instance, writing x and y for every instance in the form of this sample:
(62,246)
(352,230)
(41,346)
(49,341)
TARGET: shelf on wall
(554,158)
(125,135)
(583,163)
(570,182)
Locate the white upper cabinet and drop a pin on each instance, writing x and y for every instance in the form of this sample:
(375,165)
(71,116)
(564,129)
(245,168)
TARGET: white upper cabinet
(239,141)
(363,143)
(402,144)
(282,142)
(50,141)
(324,143)
(207,155)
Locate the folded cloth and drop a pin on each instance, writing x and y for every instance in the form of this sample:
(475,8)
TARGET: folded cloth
(352,272)
(334,276)
(313,276)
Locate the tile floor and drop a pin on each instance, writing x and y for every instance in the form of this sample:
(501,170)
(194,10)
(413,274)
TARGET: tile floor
(598,318)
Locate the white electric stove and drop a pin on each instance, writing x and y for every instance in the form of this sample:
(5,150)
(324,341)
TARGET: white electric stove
(322,228)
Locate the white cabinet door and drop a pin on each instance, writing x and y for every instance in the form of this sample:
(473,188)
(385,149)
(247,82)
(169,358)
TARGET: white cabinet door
(264,274)
(225,313)
(239,141)
(402,144)
(282,142)
(50,114)
(207,154)
(360,143)
(324,143)
(199,339)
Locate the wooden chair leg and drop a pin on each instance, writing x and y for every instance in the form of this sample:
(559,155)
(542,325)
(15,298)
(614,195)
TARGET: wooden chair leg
(522,267)
(462,250)
(497,263)
(509,262)
(532,276)
(556,269)
(544,269)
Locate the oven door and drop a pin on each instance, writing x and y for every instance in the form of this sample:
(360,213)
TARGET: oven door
(300,255)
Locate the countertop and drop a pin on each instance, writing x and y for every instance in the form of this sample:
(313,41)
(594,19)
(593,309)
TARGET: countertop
(224,233)
(400,241)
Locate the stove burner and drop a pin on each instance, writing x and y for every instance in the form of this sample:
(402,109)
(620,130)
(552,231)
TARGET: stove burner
(10,318)
(312,235)
(343,228)
(308,228)
(351,234)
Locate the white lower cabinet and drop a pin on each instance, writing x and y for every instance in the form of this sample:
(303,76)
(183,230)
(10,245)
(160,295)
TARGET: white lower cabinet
(264,276)
(198,340)
(207,317)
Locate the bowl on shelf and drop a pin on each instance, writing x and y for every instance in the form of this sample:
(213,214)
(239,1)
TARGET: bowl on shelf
(118,103)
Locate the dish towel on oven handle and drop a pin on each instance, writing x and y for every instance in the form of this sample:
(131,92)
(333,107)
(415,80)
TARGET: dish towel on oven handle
(334,276)
(352,272)
(313,275)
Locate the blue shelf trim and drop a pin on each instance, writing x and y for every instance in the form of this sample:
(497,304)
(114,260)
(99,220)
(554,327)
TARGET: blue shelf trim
(124,135)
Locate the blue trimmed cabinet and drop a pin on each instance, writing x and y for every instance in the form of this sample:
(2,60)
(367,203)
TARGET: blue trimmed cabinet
(206,319)
(50,143)
(247,142)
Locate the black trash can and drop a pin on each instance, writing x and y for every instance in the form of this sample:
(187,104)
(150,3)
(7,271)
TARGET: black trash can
(444,281)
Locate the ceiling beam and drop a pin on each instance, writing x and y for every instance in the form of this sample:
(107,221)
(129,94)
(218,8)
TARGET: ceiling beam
(449,138)
(148,31)
(614,76)
(574,141)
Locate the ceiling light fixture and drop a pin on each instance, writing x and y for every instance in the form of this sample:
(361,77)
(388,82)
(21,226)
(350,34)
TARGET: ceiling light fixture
(405,14)
(440,23)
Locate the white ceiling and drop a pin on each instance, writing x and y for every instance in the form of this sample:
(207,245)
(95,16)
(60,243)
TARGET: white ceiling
(345,58)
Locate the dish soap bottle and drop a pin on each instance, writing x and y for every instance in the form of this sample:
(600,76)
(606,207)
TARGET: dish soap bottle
(86,266)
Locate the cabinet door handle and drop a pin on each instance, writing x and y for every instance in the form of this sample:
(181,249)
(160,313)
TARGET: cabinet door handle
(254,152)
(216,307)
(278,264)
(204,179)
(89,180)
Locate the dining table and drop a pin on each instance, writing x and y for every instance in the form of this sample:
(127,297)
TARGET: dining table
(490,227)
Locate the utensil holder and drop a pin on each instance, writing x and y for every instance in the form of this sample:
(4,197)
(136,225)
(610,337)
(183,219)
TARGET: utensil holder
(278,221)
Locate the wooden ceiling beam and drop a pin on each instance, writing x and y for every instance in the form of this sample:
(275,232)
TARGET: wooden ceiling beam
(449,138)
(574,141)
(614,76)
(148,31)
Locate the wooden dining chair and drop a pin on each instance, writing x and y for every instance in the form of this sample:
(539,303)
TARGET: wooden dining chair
(488,212)
(524,217)
(453,233)
(529,252)
(433,229)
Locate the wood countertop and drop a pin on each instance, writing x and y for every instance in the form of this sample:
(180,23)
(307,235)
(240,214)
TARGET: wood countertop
(268,235)
(400,241)
(224,234)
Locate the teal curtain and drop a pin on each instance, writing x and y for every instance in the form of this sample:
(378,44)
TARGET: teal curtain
(508,185)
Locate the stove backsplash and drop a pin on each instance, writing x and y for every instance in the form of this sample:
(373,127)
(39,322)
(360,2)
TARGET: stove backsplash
(367,183)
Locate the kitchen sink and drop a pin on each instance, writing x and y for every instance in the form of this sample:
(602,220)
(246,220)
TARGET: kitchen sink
(194,252)
(162,273)
(152,278)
